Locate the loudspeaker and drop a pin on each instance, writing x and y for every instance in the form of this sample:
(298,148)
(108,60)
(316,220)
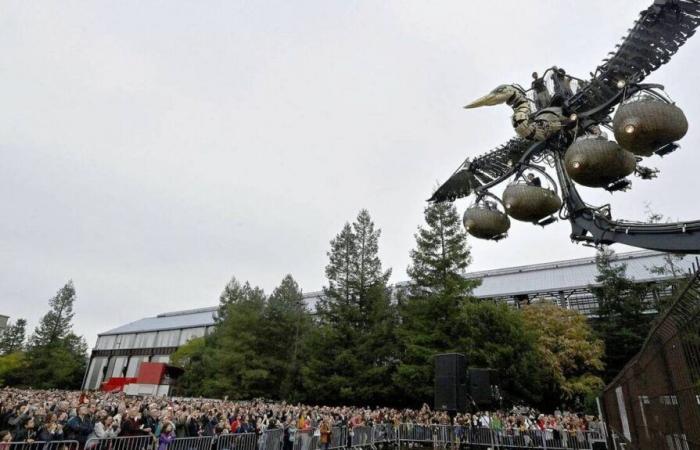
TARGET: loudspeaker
(450,382)
(481,382)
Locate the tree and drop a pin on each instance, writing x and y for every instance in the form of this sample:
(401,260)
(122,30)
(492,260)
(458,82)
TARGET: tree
(190,357)
(350,352)
(13,366)
(12,339)
(623,313)
(670,270)
(56,324)
(430,307)
(569,352)
(56,357)
(287,321)
(236,360)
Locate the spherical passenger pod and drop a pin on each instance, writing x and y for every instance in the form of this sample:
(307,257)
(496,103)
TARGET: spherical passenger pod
(530,203)
(597,162)
(484,221)
(645,125)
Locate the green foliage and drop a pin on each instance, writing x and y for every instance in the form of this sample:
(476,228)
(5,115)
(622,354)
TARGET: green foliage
(55,324)
(286,324)
(623,319)
(569,352)
(12,366)
(495,335)
(431,305)
(55,357)
(12,339)
(350,352)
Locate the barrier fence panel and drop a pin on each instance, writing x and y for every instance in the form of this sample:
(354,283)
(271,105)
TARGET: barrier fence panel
(237,441)
(272,439)
(361,436)
(306,440)
(409,432)
(41,445)
(339,438)
(121,443)
(191,443)
(383,433)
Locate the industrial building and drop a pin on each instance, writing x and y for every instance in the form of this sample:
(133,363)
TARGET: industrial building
(119,352)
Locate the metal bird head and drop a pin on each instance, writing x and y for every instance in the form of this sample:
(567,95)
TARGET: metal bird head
(499,95)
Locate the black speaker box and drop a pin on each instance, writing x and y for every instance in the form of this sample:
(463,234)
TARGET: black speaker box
(480,385)
(450,382)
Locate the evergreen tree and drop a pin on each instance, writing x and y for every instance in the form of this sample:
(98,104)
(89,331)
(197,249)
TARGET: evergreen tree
(623,320)
(670,269)
(236,359)
(348,361)
(56,357)
(56,324)
(430,306)
(287,321)
(12,339)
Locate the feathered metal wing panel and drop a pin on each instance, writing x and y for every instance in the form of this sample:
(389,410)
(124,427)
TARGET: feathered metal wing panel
(473,174)
(658,34)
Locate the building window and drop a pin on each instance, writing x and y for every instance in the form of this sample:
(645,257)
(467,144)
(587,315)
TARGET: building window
(125,341)
(134,363)
(94,376)
(190,333)
(145,340)
(105,342)
(167,338)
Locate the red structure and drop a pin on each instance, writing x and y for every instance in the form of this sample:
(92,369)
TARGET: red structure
(152,377)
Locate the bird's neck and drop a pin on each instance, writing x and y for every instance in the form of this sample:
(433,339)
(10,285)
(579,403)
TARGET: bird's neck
(520,105)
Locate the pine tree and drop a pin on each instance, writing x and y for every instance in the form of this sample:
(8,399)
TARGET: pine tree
(347,360)
(430,306)
(236,359)
(287,321)
(233,291)
(12,339)
(56,324)
(623,320)
(56,357)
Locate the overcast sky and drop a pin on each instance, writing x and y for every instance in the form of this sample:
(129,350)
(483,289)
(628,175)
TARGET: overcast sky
(151,150)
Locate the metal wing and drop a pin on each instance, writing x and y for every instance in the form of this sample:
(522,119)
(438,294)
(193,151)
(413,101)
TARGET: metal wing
(657,35)
(472,174)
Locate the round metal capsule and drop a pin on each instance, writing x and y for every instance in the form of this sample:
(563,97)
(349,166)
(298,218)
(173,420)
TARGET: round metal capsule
(530,203)
(485,223)
(644,126)
(598,162)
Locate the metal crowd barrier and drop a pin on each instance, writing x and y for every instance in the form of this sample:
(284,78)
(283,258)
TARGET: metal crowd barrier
(190,443)
(271,439)
(339,438)
(121,443)
(361,437)
(239,441)
(41,445)
(358,438)
(305,440)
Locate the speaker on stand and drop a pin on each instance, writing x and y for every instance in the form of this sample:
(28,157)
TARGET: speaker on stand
(450,382)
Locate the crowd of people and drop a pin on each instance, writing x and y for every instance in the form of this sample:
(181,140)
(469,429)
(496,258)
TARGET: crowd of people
(35,415)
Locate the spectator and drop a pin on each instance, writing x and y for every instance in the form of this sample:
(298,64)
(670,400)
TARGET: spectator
(80,426)
(167,435)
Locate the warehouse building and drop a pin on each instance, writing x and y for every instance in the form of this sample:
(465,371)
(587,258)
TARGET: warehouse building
(119,352)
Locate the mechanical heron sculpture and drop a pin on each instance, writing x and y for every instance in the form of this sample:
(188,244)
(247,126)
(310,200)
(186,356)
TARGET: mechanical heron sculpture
(560,122)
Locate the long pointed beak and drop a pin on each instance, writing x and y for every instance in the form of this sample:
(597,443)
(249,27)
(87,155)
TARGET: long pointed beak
(486,100)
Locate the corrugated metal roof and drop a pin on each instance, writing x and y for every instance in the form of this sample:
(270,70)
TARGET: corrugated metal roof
(565,275)
(520,280)
(191,318)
